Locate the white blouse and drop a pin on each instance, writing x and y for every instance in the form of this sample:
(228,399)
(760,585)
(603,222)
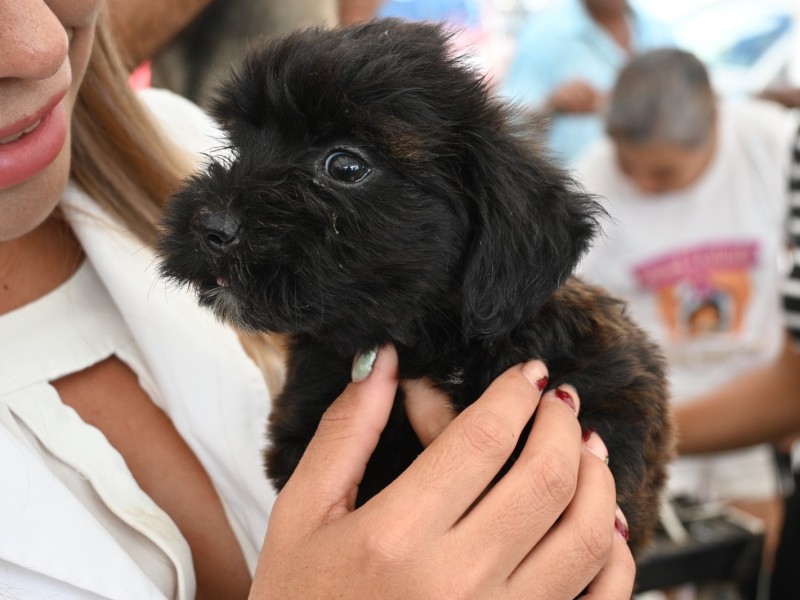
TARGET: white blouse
(77,326)
(73,522)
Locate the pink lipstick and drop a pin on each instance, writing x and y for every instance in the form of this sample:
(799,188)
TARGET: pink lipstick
(29,146)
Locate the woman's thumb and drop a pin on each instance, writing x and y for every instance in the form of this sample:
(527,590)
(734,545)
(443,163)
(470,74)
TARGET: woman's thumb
(327,478)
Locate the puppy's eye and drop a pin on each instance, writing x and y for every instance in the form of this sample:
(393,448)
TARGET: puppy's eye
(346,167)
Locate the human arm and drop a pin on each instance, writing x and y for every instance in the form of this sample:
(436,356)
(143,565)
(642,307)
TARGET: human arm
(143,27)
(760,406)
(433,532)
(355,11)
(788,97)
(574,97)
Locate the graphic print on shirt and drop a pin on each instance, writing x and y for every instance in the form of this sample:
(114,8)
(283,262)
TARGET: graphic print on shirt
(702,291)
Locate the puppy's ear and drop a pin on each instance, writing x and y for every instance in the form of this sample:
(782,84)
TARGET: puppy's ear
(533,225)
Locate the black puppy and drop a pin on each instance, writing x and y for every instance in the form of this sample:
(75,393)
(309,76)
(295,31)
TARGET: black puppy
(378,193)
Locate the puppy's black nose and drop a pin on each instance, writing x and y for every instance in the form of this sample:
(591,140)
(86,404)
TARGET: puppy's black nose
(219,231)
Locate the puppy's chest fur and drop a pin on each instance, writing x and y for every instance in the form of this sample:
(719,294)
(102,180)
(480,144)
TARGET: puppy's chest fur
(585,339)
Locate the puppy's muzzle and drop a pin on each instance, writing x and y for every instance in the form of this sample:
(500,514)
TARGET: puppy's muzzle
(218,232)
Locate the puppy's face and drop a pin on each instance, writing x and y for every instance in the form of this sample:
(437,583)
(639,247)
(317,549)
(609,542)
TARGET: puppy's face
(306,234)
(366,189)
(323,218)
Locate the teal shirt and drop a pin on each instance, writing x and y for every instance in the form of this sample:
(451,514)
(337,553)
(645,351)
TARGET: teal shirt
(562,43)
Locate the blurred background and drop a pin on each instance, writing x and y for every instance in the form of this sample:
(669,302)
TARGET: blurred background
(748,45)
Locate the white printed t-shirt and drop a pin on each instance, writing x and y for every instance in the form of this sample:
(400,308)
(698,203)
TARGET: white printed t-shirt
(700,269)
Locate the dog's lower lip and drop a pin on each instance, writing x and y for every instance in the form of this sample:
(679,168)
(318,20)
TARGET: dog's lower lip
(223,282)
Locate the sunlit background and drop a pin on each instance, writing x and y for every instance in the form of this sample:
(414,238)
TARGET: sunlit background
(748,45)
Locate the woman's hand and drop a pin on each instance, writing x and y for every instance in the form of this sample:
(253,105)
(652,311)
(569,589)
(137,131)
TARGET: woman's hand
(545,530)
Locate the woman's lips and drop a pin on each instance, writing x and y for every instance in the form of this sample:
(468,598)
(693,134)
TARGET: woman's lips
(30,146)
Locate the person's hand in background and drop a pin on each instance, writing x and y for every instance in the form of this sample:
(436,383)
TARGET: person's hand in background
(575,97)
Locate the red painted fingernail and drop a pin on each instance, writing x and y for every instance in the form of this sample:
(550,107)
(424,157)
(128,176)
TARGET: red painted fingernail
(566,399)
(587,433)
(595,445)
(621,530)
(621,525)
(541,383)
(534,371)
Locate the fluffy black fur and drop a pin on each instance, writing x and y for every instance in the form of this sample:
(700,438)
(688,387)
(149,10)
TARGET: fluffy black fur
(377,192)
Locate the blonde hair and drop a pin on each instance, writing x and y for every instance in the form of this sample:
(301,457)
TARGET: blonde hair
(122,160)
(118,154)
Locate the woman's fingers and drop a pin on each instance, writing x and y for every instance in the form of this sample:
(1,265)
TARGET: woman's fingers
(616,578)
(545,530)
(462,461)
(325,483)
(428,408)
(520,509)
(582,543)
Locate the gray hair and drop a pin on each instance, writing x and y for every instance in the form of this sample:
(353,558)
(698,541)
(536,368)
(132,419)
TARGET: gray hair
(663,96)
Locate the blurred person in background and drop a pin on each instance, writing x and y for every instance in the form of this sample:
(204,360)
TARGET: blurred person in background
(142,28)
(200,57)
(763,405)
(197,59)
(567,58)
(355,11)
(697,197)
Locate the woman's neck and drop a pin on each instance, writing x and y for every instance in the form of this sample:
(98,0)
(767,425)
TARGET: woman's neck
(37,263)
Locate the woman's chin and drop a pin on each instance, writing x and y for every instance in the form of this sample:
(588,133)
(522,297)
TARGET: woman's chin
(27,205)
